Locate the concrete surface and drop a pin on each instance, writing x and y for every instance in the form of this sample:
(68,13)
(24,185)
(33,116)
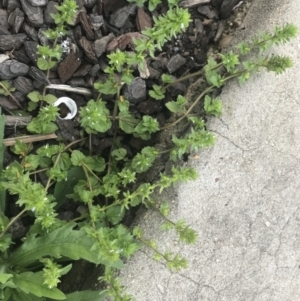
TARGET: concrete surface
(245,203)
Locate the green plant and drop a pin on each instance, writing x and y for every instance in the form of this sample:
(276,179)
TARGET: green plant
(49,56)
(108,185)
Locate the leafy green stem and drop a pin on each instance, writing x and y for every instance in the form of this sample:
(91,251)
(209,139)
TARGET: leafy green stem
(10,94)
(207,90)
(12,221)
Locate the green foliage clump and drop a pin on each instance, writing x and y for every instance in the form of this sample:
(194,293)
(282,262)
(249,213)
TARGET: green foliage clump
(108,185)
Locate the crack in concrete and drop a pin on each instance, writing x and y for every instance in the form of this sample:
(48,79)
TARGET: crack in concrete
(232,142)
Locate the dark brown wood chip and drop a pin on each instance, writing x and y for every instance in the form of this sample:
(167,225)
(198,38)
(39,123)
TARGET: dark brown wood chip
(67,68)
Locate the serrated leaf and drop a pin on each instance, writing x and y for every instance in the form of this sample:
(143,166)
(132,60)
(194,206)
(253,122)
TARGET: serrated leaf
(64,241)
(115,214)
(167,79)
(64,161)
(30,282)
(77,158)
(32,106)
(127,122)
(50,99)
(174,107)
(34,96)
(119,154)
(42,64)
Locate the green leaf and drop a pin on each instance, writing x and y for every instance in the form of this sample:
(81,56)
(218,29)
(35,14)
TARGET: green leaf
(31,162)
(115,214)
(212,106)
(143,161)
(178,105)
(119,154)
(30,282)
(146,127)
(77,158)
(42,64)
(21,148)
(19,295)
(50,99)
(32,106)
(98,164)
(157,92)
(167,79)
(64,241)
(127,122)
(64,162)
(34,96)
(6,88)
(64,188)
(86,296)
(4,277)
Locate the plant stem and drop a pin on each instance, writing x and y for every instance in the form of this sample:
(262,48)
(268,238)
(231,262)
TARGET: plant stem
(49,180)
(10,94)
(207,90)
(12,221)
(91,189)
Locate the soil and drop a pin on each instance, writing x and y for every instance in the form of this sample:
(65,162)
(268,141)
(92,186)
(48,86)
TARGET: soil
(101,27)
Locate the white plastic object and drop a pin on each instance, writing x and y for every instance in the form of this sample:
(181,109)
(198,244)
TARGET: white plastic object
(70,103)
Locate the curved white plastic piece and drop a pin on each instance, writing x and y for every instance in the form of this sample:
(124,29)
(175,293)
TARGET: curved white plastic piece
(70,103)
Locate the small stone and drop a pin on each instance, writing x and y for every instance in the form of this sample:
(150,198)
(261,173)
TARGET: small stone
(227,7)
(96,21)
(23,85)
(31,50)
(192,3)
(4,18)
(16,19)
(205,10)
(93,72)
(112,5)
(3,58)
(12,68)
(101,44)
(175,63)
(177,89)
(136,91)
(33,13)
(20,55)
(41,36)
(39,76)
(50,9)
(10,42)
(90,3)
(149,107)
(6,104)
(12,5)
(4,30)
(37,2)
(30,31)
(119,17)
(198,25)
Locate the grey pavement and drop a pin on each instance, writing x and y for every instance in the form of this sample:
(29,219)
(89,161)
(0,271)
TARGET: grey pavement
(245,203)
